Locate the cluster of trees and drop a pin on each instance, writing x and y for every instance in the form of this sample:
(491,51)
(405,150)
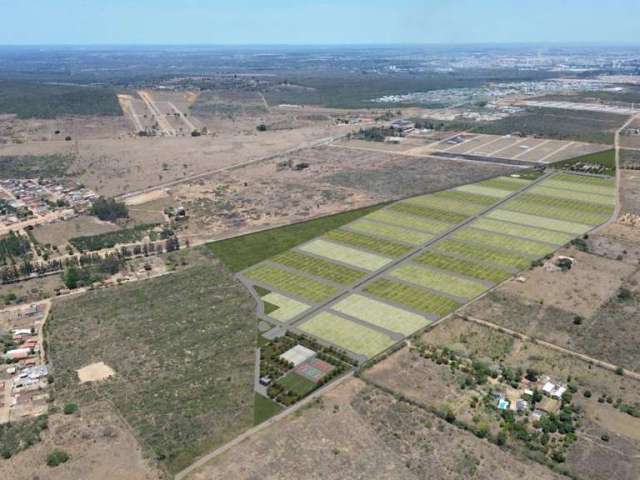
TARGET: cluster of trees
(13,246)
(375,134)
(109,209)
(110,239)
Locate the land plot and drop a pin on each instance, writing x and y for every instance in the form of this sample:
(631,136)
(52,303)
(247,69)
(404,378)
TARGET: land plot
(438,280)
(319,267)
(579,187)
(483,190)
(539,209)
(468,268)
(484,253)
(630,192)
(516,245)
(477,142)
(350,256)
(575,150)
(381,314)
(287,281)
(531,233)
(495,148)
(542,152)
(412,297)
(409,221)
(521,147)
(297,383)
(484,200)
(372,244)
(539,222)
(446,204)
(59,233)
(287,307)
(391,232)
(542,189)
(509,184)
(177,412)
(608,182)
(433,213)
(346,334)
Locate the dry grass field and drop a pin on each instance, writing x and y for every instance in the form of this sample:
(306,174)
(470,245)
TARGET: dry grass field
(59,233)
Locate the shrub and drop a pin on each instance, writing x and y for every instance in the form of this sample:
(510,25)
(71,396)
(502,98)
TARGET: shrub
(604,437)
(620,371)
(57,457)
(577,320)
(70,408)
(587,393)
(109,209)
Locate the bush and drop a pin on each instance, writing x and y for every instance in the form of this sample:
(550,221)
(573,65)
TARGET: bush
(577,320)
(109,209)
(620,371)
(70,408)
(604,437)
(57,457)
(587,393)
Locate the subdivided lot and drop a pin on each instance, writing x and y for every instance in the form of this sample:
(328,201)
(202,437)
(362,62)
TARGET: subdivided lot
(181,392)
(492,223)
(346,334)
(112,238)
(358,432)
(391,232)
(319,267)
(288,281)
(407,220)
(518,246)
(384,247)
(284,308)
(483,253)
(413,297)
(539,222)
(462,266)
(566,194)
(59,233)
(438,280)
(561,209)
(381,314)
(341,253)
(432,213)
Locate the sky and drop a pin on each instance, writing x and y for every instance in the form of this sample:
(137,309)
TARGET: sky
(180,22)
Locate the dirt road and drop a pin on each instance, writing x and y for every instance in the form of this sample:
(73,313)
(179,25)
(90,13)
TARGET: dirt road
(163,123)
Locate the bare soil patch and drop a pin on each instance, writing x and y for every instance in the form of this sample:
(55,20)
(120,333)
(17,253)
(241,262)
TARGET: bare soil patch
(94,372)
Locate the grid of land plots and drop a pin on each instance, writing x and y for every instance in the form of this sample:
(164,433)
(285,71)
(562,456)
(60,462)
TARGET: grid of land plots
(370,283)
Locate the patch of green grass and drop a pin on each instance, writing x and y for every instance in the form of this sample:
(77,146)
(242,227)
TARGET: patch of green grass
(438,280)
(264,408)
(391,232)
(182,348)
(537,232)
(406,220)
(297,383)
(415,298)
(464,267)
(287,281)
(341,253)
(484,253)
(319,267)
(242,252)
(519,246)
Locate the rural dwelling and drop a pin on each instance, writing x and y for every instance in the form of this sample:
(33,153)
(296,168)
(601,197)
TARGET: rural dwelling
(403,125)
(554,390)
(18,354)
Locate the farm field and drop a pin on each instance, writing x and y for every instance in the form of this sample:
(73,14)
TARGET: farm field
(579,196)
(372,244)
(483,190)
(516,245)
(464,267)
(409,221)
(319,267)
(484,253)
(438,280)
(432,213)
(347,334)
(390,232)
(519,230)
(287,307)
(348,255)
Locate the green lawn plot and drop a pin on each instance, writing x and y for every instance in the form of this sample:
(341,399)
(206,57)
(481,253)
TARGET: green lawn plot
(348,255)
(540,222)
(391,232)
(372,244)
(523,231)
(319,267)
(446,204)
(470,197)
(578,187)
(381,314)
(438,280)
(483,190)
(521,246)
(414,222)
(468,268)
(510,184)
(290,282)
(286,308)
(347,334)
(264,408)
(482,253)
(433,213)
(239,253)
(297,383)
(412,297)
(573,195)
(533,207)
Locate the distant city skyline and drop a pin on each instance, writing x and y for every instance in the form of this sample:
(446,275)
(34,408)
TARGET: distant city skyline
(304,22)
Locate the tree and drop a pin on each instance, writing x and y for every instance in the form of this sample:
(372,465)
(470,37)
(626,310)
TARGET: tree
(57,457)
(109,209)
(71,277)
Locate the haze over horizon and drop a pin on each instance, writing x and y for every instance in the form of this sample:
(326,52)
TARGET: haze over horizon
(331,22)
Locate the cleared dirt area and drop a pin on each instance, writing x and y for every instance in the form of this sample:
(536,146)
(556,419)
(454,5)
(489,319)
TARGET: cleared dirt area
(100,445)
(94,372)
(32,290)
(579,309)
(360,432)
(272,193)
(59,233)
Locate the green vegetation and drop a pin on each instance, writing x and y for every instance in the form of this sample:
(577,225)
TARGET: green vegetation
(13,247)
(394,217)
(297,383)
(568,210)
(392,232)
(110,239)
(70,408)
(319,267)
(537,233)
(447,204)
(287,281)
(109,209)
(464,267)
(33,100)
(34,166)
(372,244)
(182,393)
(436,214)
(484,200)
(518,246)
(18,436)
(413,297)
(438,280)
(606,161)
(57,457)
(242,252)
(264,408)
